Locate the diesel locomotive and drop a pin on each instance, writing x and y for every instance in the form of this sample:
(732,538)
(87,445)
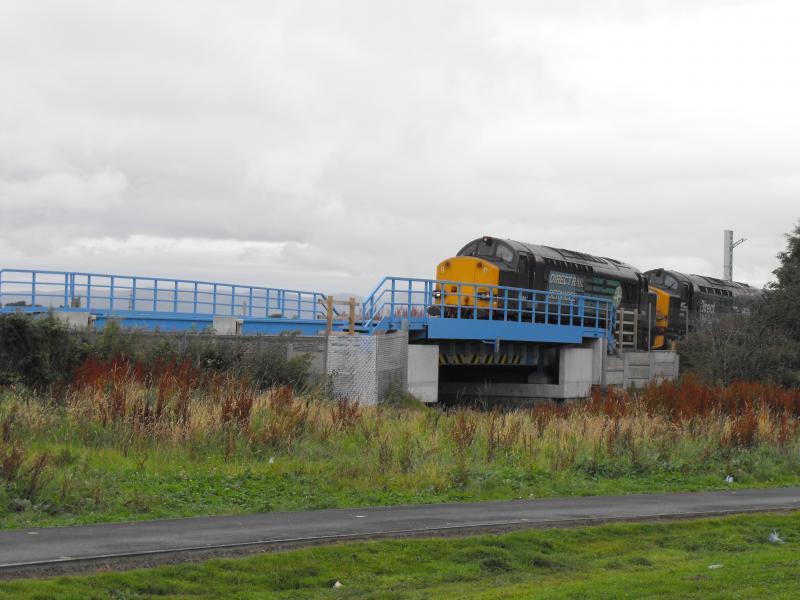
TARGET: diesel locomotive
(666,303)
(682,300)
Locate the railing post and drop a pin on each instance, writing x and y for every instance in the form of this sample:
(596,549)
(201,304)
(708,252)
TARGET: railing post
(175,298)
(519,306)
(111,294)
(409,302)
(559,309)
(33,288)
(392,305)
(547,308)
(329,325)
(428,300)
(194,299)
(250,303)
(89,292)
(155,295)
(132,303)
(67,304)
(214,299)
(571,311)
(596,314)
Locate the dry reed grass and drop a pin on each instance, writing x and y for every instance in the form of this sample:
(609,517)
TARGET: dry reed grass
(176,402)
(686,425)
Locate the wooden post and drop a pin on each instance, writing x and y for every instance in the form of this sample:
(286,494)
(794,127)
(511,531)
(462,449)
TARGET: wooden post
(329,327)
(352,316)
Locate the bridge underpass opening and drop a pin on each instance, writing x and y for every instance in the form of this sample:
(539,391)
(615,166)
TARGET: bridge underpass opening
(472,371)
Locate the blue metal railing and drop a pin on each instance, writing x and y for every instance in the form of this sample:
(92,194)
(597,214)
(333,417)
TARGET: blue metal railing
(34,291)
(476,308)
(443,309)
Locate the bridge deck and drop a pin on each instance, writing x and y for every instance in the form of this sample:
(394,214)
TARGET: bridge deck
(434,310)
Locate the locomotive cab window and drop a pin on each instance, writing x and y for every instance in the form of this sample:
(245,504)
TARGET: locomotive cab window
(493,249)
(670,282)
(486,249)
(505,253)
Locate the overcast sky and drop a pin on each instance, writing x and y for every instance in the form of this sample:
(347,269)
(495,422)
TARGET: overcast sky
(324,144)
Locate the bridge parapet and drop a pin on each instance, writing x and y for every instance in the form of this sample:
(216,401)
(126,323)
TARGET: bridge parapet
(34,291)
(431,309)
(452,310)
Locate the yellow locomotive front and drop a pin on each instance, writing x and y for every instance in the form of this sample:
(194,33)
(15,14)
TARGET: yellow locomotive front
(477,280)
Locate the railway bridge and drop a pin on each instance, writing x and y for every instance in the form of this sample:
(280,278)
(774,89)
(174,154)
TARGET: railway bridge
(506,344)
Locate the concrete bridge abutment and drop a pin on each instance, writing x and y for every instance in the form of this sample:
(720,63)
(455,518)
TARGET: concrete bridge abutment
(371,368)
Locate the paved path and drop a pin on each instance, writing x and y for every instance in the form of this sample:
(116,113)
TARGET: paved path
(49,550)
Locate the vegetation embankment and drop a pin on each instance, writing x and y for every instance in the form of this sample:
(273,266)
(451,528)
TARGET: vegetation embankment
(761,343)
(719,558)
(125,441)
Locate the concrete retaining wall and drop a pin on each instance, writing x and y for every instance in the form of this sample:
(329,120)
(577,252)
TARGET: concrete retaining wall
(614,372)
(637,369)
(75,320)
(642,368)
(360,367)
(285,346)
(423,372)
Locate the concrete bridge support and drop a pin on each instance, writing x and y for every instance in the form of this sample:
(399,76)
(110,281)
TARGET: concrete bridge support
(579,368)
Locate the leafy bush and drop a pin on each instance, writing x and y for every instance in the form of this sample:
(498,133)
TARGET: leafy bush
(397,397)
(741,347)
(37,352)
(42,352)
(272,370)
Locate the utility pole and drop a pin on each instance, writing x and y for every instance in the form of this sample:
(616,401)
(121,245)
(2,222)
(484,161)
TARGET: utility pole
(727,269)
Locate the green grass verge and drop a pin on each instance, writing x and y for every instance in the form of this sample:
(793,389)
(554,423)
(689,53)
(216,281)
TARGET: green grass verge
(662,560)
(96,485)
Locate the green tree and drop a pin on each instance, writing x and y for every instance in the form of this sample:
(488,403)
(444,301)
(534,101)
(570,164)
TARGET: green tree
(783,295)
(761,345)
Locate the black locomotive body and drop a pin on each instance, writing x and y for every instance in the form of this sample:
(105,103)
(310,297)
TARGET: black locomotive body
(684,301)
(529,266)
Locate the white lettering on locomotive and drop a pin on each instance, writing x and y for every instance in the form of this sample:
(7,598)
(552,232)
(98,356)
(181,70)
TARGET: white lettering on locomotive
(566,281)
(707,310)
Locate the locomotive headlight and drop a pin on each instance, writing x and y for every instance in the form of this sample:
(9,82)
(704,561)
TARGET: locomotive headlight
(437,294)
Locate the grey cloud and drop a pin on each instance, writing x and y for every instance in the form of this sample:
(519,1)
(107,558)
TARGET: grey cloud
(365,138)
